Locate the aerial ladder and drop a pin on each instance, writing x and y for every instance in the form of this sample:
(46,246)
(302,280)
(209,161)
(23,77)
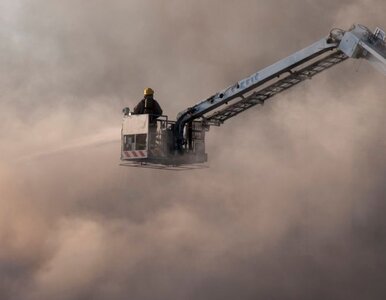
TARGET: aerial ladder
(182,142)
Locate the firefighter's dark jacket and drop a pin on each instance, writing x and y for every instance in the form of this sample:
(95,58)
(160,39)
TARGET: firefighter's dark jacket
(149,105)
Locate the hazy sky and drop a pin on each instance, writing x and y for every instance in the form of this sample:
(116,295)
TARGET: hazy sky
(292,206)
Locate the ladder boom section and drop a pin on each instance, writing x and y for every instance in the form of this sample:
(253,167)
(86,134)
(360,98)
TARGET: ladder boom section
(358,42)
(260,96)
(250,83)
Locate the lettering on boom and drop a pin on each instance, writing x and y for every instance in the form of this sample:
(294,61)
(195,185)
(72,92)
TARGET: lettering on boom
(230,92)
(246,83)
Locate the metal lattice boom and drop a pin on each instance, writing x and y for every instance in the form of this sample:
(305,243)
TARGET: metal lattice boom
(260,96)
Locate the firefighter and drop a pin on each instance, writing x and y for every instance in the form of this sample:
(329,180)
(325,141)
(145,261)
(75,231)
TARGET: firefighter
(148,105)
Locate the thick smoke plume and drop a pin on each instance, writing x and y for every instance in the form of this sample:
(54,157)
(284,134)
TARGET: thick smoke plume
(292,206)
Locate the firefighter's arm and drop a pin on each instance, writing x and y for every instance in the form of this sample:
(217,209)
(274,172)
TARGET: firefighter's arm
(139,108)
(158,109)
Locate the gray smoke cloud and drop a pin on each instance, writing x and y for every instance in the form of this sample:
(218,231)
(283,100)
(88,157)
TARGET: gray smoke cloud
(290,208)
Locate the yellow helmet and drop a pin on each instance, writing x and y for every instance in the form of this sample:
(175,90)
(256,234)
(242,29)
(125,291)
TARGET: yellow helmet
(148,92)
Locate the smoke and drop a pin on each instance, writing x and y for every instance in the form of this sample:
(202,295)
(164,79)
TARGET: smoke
(377,64)
(291,206)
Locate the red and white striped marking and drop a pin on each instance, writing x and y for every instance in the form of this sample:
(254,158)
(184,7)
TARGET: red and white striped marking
(135,154)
